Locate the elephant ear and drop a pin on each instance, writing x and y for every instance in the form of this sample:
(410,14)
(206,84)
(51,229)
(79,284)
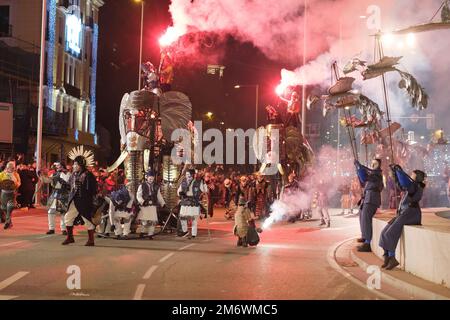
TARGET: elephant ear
(123,104)
(175,112)
(419,98)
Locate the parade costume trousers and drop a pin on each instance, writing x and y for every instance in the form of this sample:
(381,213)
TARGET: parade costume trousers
(8,204)
(392,232)
(184,225)
(122,229)
(324,214)
(72,214)
(148,227)
(52,218)
(365,219)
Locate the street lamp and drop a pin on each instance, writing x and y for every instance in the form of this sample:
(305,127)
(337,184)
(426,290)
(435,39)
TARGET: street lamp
(256,86)
(142,2)
(41,95)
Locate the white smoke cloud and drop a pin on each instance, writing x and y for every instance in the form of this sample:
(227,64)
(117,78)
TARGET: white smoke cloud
(336,30)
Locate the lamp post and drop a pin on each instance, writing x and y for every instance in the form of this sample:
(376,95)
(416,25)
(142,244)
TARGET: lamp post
(41,95)
(142,2)
(256,86)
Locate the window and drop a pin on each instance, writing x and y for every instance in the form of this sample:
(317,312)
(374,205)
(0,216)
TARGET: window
(5,30)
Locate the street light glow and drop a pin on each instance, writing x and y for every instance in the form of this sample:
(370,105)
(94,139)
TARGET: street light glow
(237,86)
(411,40)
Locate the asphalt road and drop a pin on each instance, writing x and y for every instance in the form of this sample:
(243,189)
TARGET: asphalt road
(289,263)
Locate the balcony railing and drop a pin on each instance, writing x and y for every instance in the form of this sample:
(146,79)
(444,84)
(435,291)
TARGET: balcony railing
(72,91)
(53,124)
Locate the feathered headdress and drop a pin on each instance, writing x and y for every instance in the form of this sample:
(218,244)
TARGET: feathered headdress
(83,157)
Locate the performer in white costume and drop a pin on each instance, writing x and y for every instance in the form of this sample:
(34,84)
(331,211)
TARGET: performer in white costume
(60,197)
(149,196)
(121,212)
(190,191)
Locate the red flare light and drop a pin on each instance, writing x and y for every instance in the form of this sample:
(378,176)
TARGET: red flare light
(169,37)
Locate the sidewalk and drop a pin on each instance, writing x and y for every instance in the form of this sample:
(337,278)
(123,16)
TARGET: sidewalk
(395,284)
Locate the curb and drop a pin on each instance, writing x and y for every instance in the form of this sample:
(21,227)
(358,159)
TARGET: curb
(408,288)
(331,258)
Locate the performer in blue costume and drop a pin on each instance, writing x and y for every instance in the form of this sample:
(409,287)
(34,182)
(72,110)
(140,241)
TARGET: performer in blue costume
(372,181)
(408,212)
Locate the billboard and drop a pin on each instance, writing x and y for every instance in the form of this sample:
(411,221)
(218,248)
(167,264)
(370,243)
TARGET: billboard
(6,124)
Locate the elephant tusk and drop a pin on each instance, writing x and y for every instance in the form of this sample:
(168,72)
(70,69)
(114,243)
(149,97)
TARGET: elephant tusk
(118,162)
(146,159)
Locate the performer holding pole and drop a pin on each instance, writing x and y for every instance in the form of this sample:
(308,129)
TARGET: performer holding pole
(293,110)
(148,196)
(372,180)
(59,198)
(9,183)
(189,192)
(408,212)
(81,199)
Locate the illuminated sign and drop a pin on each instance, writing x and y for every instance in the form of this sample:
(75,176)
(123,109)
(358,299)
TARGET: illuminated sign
(73,32)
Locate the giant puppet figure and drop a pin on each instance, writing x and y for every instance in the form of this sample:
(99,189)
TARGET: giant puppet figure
(147,119)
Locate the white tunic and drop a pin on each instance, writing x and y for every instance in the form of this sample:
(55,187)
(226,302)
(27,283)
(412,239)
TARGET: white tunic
(118,214)
(191,211)
(66,177)
(148,213)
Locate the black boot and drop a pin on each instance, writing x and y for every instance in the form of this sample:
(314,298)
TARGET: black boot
(392,263)
(322,223)
(244,242)
(50,232)
(365,247)
(239,242)
(90,242)
(360,240)
(386,261)
(69,238)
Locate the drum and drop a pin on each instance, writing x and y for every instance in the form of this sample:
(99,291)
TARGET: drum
(7,185)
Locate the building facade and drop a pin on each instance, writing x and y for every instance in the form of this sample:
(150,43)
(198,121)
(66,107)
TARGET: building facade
(70,70)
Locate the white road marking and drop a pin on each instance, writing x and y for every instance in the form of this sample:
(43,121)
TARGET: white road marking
(19,275)
(166,257)
(139,292)
(149,272)
(43,237)
(188,246)
(11,243)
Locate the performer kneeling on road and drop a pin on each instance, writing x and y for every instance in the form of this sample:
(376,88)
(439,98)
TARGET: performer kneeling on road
(81,199)
(372,180)
(408,213)
(244,199)
(121,212)
(189,192)
(149,195)
(59,198)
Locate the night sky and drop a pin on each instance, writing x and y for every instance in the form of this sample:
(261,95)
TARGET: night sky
(118,69)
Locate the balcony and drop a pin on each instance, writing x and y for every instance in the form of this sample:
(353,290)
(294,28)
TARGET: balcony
(72,91)
(53,124)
